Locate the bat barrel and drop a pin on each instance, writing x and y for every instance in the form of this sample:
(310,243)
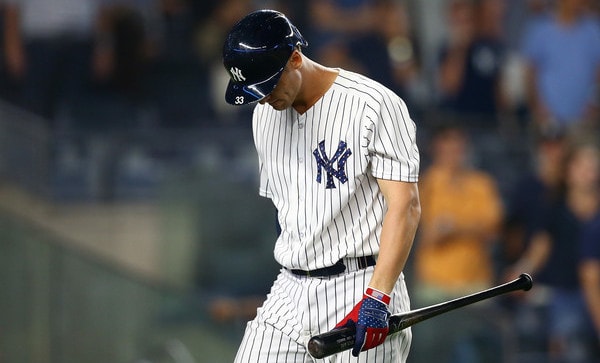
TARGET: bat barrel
(403,321)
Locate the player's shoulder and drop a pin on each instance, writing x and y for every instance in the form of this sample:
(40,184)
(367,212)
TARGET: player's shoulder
(364,87)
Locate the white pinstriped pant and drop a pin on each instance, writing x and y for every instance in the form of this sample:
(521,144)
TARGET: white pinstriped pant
(298,307)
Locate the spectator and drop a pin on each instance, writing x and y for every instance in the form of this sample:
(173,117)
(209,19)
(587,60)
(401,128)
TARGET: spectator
(532,195)
(462,211)
(554,252)
(175,43)
(463,214)
(8,87)
(176,81)
(50,47)
(334,19)
(370,37)
(388,51)
(128,33)
(209,47)
(116,95)
(589,269)
(471,62)
(528,201)
(518,13)
(336,26)
(562,51)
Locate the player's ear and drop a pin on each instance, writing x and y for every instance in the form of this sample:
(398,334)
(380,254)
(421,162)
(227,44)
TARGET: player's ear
(295,60)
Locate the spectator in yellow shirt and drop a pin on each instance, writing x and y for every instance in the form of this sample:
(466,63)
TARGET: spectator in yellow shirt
(461,214)
(462,211)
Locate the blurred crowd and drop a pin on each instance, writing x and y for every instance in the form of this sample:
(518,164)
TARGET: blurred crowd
(502,66)
(488,60)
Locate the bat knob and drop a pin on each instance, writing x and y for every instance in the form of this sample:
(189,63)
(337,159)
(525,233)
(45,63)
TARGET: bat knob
(316,348)
(331,342)
(527,281)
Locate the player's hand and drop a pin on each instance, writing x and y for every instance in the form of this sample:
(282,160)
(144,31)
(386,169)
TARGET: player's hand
(370,317)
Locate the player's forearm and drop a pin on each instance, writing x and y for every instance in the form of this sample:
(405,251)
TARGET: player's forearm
(399,228)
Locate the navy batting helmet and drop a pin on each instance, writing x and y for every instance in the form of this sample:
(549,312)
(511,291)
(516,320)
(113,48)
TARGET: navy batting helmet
(255,53)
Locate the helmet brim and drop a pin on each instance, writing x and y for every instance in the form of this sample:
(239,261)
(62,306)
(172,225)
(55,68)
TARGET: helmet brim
(242,94)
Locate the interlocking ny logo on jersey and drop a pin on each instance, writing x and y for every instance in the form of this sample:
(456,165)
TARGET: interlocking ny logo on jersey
(324,162)
(237,75)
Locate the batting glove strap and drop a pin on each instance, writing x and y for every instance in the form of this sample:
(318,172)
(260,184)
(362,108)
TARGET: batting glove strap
(378,295)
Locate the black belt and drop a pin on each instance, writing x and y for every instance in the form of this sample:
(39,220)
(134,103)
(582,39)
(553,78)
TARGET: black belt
(338,268)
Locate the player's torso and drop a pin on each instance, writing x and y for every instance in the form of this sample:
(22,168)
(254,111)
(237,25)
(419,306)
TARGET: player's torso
(315,168)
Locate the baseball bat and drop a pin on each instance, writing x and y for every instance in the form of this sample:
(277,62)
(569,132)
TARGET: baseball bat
(340,339)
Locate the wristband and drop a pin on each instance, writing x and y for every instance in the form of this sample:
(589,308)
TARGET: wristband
(378,295)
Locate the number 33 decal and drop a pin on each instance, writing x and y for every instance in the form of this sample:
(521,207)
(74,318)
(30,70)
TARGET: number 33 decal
(239,100)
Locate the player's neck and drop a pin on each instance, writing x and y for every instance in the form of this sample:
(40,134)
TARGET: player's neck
(316,81)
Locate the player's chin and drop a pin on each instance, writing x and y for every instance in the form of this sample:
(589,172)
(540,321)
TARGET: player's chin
(279,104)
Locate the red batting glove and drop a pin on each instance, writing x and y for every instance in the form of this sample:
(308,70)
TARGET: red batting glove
(370,316)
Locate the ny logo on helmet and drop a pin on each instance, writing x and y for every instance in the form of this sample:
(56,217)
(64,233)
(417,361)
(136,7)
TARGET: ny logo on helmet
(237,75)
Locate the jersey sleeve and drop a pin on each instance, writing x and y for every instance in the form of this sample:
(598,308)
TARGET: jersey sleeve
(392,143)
(263,186)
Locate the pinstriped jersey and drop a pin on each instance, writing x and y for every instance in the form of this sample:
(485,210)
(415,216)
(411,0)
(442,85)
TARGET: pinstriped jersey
(320,168)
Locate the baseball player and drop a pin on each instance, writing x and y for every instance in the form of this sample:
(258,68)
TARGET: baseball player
(339,161)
